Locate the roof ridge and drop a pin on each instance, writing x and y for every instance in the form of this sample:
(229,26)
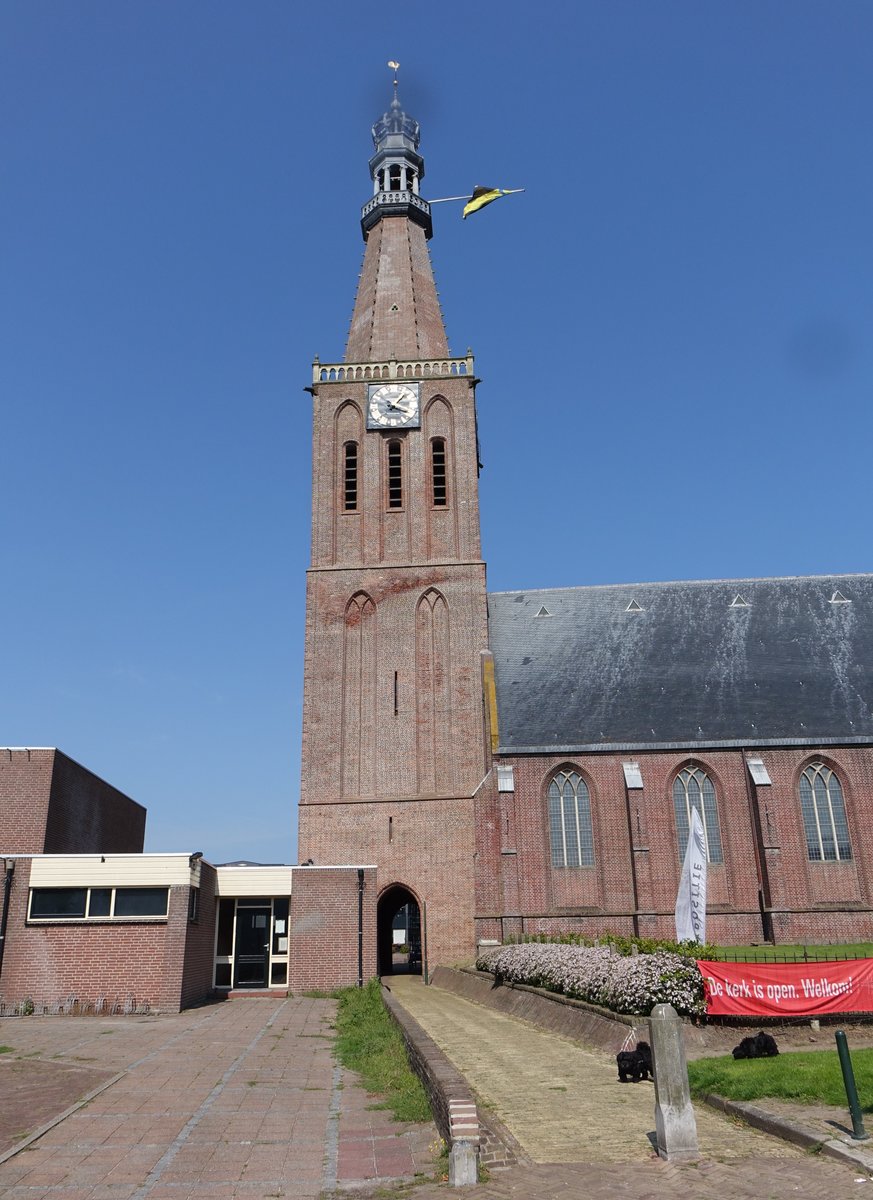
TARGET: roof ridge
(590,587)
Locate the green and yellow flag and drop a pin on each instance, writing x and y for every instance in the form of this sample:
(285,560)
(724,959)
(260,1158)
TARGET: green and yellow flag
(482,196)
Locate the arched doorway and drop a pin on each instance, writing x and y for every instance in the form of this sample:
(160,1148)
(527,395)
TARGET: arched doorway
(398,932)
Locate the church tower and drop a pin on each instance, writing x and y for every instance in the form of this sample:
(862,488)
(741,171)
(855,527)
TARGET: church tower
(393,738)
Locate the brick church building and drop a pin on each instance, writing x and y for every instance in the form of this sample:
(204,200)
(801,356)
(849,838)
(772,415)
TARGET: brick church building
(528,761)
(475,766)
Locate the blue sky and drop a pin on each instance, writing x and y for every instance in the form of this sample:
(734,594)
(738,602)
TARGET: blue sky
(672,326)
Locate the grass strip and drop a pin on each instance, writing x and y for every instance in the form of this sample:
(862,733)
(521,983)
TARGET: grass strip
(369,1043)
(766,953)
(807,1077)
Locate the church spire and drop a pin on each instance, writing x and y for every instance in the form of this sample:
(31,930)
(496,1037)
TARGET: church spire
(397,311)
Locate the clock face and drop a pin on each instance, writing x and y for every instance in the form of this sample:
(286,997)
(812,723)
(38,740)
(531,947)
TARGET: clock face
(393,406)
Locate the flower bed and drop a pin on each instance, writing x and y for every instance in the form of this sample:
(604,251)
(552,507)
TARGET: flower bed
(631,984)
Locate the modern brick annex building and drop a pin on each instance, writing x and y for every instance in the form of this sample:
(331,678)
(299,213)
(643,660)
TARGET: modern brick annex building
(528,761)
(89,922)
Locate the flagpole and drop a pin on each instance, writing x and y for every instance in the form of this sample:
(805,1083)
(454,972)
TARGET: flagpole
(446,199)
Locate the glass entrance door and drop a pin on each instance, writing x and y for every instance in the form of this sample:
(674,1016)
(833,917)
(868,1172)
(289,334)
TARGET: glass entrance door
(252,949)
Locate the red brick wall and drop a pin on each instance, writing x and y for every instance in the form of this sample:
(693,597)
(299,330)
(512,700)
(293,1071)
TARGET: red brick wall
(199,957)
(426,846)
(361,737)
(117,960)
(516,884)
(323,942)
(88,815)
(355,746)
(396,272)
(25,784)
(50,804)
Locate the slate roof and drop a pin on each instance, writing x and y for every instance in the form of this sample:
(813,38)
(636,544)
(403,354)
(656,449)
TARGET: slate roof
(689,668)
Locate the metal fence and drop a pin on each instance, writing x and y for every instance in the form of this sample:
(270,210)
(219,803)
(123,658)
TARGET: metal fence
(805,954)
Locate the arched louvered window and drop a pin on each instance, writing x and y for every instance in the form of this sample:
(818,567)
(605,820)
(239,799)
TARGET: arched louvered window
(350,477)
(692,788)
(570,831)
(824,815)
(395,474)
(439,490)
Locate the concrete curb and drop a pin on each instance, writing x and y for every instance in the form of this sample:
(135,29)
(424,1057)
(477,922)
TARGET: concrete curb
(793,1131)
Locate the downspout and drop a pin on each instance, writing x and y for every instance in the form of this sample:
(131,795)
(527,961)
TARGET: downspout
(7,889)
(635,891)
(425,976)
(765,901)
(360,927)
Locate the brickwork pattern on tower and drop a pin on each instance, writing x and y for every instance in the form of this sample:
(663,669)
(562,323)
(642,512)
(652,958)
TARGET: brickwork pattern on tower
(396,620)
(397,311)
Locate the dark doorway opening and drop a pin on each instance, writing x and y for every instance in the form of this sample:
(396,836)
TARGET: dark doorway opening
(252,947)
(398,925)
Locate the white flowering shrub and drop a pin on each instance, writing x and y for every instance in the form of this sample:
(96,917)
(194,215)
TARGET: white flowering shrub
(631,984)
(487,957)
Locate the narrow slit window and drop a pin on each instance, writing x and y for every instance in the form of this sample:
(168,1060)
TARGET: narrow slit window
(395,474)
(438,472)
(350,477)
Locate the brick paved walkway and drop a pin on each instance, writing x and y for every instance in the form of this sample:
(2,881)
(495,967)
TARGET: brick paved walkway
(33,1092)
(800,1178)
(242,1099)
(587,1134)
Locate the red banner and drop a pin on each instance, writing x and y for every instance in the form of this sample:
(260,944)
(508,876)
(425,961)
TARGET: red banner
(787,989)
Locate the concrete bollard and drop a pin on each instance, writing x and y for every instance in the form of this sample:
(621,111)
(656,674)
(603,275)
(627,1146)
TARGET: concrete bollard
(674,1117)
(463,1163)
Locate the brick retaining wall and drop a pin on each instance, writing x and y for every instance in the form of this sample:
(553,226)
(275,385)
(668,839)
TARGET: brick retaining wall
(452,1102)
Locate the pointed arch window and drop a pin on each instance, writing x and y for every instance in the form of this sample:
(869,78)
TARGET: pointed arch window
(824,815)
(350,477)
(570,830)
(395,473)
(692,788)
(439,487)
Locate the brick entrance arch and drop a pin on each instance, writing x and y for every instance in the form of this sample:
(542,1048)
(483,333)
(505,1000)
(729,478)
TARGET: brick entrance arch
(396,901)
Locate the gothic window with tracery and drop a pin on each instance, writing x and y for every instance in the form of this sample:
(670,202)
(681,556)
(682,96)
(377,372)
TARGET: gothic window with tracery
(692,788)
(570,829)
(824,815)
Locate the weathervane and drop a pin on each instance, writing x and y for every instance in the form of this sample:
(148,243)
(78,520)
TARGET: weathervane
(481,195)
